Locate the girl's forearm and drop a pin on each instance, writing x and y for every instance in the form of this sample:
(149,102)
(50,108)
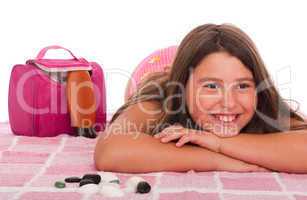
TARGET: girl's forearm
(130,154)
(125,153)
(285,151)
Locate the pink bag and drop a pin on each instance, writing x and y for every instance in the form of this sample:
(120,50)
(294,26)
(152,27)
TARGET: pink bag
(37,95)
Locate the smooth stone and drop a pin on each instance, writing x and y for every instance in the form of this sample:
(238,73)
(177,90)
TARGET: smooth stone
(137,184)
(73,179)
(86,182)
(102,184)
(110,190)
(108,177)
(95,177)
(59,184)
(133,181)
(115,181)
(143,187)
(89,189)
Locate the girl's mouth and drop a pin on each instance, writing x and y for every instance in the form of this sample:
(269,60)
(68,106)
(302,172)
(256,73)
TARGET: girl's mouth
(225,118)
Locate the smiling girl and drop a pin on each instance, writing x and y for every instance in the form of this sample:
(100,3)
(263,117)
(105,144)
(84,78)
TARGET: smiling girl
(216,109)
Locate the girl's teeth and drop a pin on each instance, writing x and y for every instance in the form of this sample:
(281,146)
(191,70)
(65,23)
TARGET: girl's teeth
(228,118)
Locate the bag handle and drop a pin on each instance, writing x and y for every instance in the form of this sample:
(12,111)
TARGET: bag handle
(42,52)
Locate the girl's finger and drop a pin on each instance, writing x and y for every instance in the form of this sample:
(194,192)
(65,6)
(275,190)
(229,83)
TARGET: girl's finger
(193,138)
(183,140)
(173,136)
(163,133)
(169,131)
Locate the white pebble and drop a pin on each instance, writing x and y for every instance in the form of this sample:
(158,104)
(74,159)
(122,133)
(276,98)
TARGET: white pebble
(110,190)
(107,176)
(102,184)
(129,189)
(89,189)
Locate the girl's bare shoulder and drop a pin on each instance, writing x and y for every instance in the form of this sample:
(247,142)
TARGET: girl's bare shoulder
(140,116)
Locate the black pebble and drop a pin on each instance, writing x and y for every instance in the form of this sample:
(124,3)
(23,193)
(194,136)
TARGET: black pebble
(86,181)
(94,177)
(143,187)
(73,179)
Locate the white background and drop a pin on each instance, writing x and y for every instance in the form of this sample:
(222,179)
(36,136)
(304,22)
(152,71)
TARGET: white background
(119,34)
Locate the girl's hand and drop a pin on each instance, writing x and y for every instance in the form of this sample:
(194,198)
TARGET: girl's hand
(170,133)
(200,138)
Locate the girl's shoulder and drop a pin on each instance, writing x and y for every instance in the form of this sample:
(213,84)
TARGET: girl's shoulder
(142,115)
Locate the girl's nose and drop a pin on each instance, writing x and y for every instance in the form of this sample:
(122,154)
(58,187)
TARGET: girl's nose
(228,99)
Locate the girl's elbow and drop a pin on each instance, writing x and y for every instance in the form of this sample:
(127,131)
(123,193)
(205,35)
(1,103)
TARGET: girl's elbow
(108,157)
(102,157)
(100,163)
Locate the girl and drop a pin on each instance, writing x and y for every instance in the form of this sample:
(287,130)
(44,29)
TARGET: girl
(216,109)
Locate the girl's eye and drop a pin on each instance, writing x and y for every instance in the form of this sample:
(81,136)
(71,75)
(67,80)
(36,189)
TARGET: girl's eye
(211,86)
(243,86)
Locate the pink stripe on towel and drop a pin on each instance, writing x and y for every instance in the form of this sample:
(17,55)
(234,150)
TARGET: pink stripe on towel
(70,169)
(14,179)
(255,197)
(299,197)
(295,182)
(6,195)
(23,157)
(251,183)
(191,179)
(51,196)
(189,195)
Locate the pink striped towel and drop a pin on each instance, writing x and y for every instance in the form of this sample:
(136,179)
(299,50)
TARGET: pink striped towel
(29,166)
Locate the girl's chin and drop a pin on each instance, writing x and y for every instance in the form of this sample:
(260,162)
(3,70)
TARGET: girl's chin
(220,128)
(223,131)
(226,133)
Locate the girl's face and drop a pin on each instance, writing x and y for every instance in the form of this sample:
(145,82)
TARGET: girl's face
(221,95)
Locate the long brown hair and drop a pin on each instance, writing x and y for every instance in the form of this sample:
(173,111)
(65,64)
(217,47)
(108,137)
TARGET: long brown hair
(272,112)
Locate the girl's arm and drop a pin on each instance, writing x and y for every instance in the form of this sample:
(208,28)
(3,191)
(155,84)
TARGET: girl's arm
(145,154)
(130,150)
(284,151)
